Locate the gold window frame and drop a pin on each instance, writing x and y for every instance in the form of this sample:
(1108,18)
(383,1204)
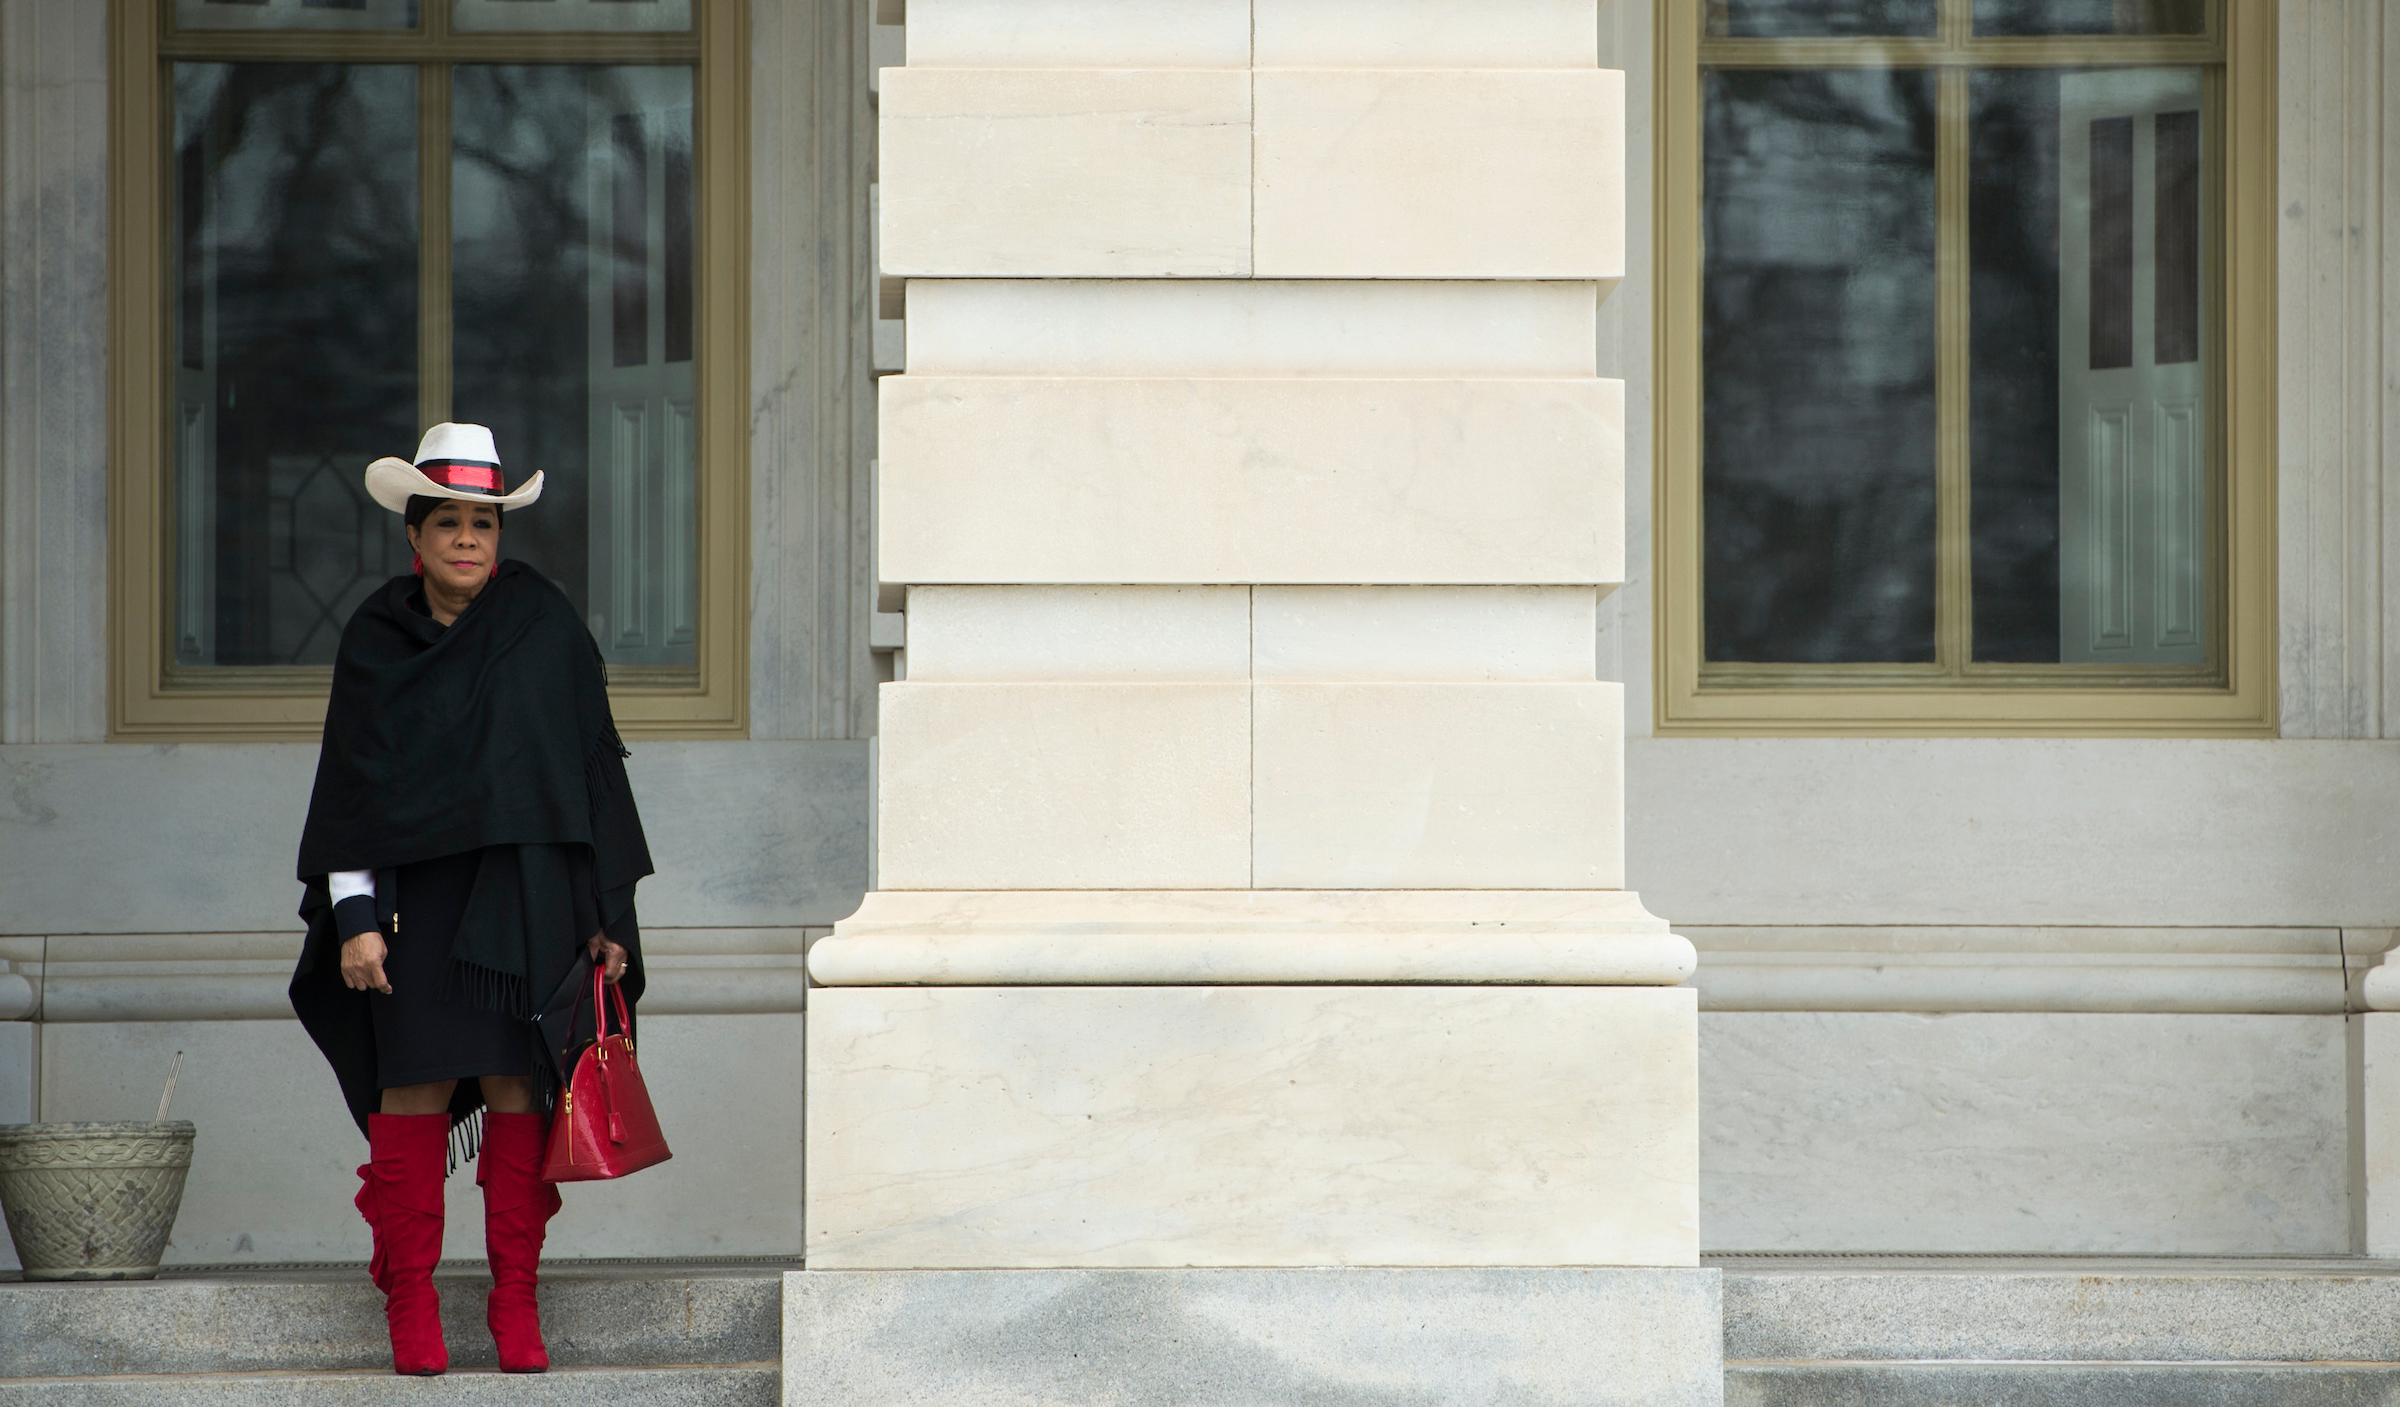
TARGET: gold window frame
(2236,695)
(150,699)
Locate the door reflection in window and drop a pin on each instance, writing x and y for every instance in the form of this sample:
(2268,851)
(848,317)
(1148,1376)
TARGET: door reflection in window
(2091,502)
(572,261)
(295,349)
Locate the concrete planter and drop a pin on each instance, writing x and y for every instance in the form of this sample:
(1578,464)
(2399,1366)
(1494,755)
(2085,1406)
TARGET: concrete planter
(92,1201)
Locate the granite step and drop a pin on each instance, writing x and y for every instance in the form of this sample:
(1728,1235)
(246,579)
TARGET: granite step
(681,1385)
(2060,1385)
(325,1323)
(1916,1331)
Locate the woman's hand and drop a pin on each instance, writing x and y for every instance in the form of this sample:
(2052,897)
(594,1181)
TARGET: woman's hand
(610,956)
(362,963)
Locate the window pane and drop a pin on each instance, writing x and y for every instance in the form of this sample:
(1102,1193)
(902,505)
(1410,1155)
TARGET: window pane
(1818,365)
(2027,17)
(1799,19)
(2089,444)
(295,14)
(294,357)
(580,16)
(572,250)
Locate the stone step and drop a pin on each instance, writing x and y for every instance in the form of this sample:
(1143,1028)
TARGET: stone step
(329,1319)
(705,1385)
(2060,1385)
(1925,1331)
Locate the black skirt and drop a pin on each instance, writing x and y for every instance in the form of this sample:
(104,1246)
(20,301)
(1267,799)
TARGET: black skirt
(425,1031)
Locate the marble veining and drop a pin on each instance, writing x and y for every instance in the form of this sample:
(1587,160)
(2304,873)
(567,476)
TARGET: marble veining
(1176,1126)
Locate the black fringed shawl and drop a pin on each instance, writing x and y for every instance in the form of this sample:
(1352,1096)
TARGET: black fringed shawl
(492,734)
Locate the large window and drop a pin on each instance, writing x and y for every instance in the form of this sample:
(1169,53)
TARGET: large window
(1965,366)
(340,221)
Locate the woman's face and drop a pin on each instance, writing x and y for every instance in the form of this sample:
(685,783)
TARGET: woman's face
(458,543)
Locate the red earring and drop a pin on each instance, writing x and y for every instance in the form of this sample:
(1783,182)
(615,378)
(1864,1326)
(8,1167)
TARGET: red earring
(495,571)
(416,563)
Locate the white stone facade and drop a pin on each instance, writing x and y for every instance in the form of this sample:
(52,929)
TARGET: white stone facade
(1886,926)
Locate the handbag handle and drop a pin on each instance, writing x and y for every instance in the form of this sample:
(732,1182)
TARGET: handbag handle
(600,1007)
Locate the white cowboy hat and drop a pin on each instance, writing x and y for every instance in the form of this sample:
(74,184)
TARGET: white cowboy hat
(453,461)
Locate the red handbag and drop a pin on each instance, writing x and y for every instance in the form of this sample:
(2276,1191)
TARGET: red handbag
(605,1126)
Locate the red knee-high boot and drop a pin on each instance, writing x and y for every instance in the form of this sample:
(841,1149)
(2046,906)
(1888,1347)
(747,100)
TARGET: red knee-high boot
(517,1207)
(402,1200)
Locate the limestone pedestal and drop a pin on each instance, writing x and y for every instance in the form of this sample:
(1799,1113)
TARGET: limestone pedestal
(1252,1078)
(1252,1146)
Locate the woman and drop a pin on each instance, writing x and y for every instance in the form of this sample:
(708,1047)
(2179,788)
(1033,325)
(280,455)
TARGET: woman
(471,844)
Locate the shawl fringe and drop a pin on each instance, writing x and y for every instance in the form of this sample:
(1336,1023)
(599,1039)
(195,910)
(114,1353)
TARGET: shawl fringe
(491,989)
(599,778)
(466,1137)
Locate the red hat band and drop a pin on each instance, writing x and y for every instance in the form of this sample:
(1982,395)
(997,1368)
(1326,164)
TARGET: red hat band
(463,474)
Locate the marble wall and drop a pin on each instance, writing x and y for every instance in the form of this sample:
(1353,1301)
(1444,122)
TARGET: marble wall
(123,882)
(16,1072)
(53,371)
(2375,1110)
(273,1169)
(2137,832)
(812,421)
(2032,1133)
(2338,344)
(196,839)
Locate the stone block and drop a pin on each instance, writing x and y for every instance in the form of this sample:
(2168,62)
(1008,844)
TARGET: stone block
(2378,1038)
(1427,33)
(2029,1133)
(1061,634)
(1424,633)
(274,1164)
(16,1072)
(1022,1127)
(71,807)
(1120,937)
(1250,327)
(1064,786)
(2091,832)
(1004,480)
(1079,34)
(1505,174)
(1140,173)
(1165,1338)
(751,834)
(1438,786)
(744,833)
